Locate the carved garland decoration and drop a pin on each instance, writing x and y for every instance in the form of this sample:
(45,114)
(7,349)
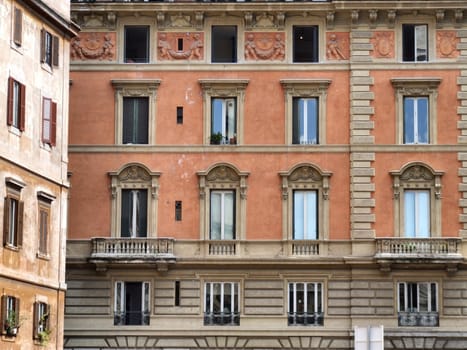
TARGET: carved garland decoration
(305,176)
(417,176)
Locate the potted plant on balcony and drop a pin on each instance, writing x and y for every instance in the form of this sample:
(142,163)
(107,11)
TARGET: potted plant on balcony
(216,138)
(44,331)
(12,324)
(233,140)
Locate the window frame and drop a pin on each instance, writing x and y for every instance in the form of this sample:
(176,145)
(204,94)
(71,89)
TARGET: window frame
(305,88)
(315,54)
(13,193)
(49,118)
(318,313)
(234,49)
(50,46)
(133,220)
(222,213)
(9,303)
(134,176)
(17,29)
(209,316)
(135,88)
(44,209)
(223,176)
(223,88)
(417,176)
(305,177)
(145,309)
(416,87)
(41,320)
(16,105)
(414,44)
(416,317)
(148,43)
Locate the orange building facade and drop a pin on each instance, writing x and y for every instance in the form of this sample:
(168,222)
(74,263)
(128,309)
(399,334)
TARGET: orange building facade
(267,175)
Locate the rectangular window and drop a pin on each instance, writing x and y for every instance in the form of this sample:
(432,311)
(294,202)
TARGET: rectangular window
(131,303)
(223,120)
(10,315)
(305,304)
(18,27)
(41,320)
(179,115)
(135,120)
(136,44)
(178,210)
(417,213)
(416,120)
(13,219)
(414,42)
(305,214)
(224,44)
(221,303)
(222,223)
(305,44)
(49,121)
(418,304)
(16,104)
(134,213)
(305,121)
(49,48)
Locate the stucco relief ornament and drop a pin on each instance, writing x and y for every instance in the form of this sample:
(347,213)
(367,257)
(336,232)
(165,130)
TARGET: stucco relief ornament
(222,173)
(417,173)
(92,46)
(194,50)
(334,48)
(134,173)
(267,46)
(383,44)
(447,44)
(305,173)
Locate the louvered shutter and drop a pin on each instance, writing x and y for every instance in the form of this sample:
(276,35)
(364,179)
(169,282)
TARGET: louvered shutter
(19,241)
(18,29)
(43,51)
(9,114)
(53,124)
(6,220)
(35,322)
(22,110)
(55,50)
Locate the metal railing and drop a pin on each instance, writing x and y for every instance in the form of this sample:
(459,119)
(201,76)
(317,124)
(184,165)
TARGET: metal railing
(131,318)
(305,319)
(418,319)
(221,319)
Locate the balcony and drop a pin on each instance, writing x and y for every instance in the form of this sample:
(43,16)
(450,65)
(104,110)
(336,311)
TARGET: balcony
(423,250)
(221,319)
(131,318)
(305,319)
(133,250)
(418,319)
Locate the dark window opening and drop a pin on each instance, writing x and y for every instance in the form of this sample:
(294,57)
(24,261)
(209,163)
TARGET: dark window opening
(134,213)
(135,120)
(224,44)
(131,303)
(415,43)
(180,44)
(136,44)
(178,210)
(179,115)
(305,44)
(177,293)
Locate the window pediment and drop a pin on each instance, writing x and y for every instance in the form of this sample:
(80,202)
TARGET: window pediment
(415,86)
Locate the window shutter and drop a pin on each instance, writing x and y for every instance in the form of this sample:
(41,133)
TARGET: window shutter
(19,239)
(17,310)
(3,314)
(35,325)
(6,220)
(9,114)
(47,317)
(43,53)
(18,30)
(55,50)
(53,124)
(22,111)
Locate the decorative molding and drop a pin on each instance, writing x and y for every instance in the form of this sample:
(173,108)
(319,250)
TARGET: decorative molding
(383,44)
(446,44)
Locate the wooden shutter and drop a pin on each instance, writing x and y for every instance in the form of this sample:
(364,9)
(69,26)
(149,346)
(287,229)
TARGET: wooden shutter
(47,317)
(19,233)
(17,310)
(46,122)
(22,109)
(9,114)
(6,220)
(3,314)
(43,51)
(53,124)
(35,321)
(18,29)
(55,50)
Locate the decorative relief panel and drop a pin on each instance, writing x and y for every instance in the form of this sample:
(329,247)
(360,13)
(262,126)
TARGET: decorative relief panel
(180,20)
(264,46)
(180,46)
(383,44)
(446,44)
(264,20)
(94,46)
(337,46)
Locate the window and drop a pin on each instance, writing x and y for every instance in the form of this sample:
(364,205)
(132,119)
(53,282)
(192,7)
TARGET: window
(13,214)
(10,315)
(418,304)
(305,214)
(305,110)
(131,303)
(305,207)
(222,215)
(16,104)
(18,27)
(41,320)
(49,121)
(221,303)
(305,44)
(417,201)
(134,201)
(44,203)
(134,213)
(135,120)
(416,115)
(223,110)
(136,44)
(305,304)
(223,191)
(135,110)
(305,120)
(414,42)
(223,121)
(224,44)
(49,48)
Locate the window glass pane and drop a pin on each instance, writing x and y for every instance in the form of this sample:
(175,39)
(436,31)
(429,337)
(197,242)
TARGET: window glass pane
(224,44)
(291,297)
(422,297)
(12,220)
(408,43)
(224,118)
(16,104)
(300,298)
(305,44)
(422,120)
(217,306)
(310,298)
(229,215)
(412,292)
(305,123)
(423,214)
(409,119)
(136,44)
(402,300)
(135,120)
(299,203)
(305,223)
(216,198)
(434,297)
(134,213)
(421,42)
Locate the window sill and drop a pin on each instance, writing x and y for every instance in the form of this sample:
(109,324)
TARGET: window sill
(43,256)
(17,48)
(47,68)
(14,130)
(11,247)
(46,147)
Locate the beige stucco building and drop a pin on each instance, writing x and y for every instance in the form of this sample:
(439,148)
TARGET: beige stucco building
(34,68)
(268,175)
